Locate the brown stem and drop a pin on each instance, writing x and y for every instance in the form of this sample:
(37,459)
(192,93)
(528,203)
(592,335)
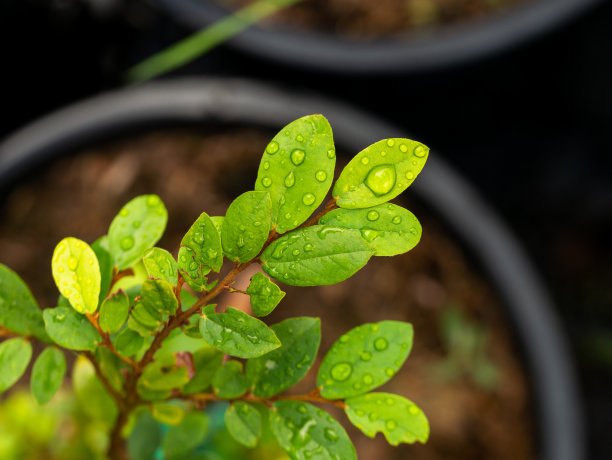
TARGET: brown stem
(118,397)
(6,333)
(330,206)
(117,448)
(106,341)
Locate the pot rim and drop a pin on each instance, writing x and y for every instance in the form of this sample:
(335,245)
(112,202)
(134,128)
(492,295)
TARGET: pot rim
(452,45)
(189,101)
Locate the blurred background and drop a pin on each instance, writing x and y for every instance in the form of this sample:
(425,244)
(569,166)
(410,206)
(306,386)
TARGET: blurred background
(529,125)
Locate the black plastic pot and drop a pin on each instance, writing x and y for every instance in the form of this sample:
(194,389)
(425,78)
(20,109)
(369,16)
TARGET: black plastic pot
(424,51)
(559,418)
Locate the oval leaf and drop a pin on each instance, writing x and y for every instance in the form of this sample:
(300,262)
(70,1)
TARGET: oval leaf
(15,355)
(284,367)
(105,261)
(170,414)
(206,361)
(19,311)
(114,311)
(304,430)
(399,419)
(144,438)
(364,358)
(246,226)
(128,342)
(47,374)
(297,170)
(160,264)
(186,436)
(237,334)
(265,295)
(90,392)
(164,374)
(390,229)
(138,226)
(229,382)
(316,256)
(243,422)
(157,301)
(70,329)
(77,274)
(379,173)
(200,252)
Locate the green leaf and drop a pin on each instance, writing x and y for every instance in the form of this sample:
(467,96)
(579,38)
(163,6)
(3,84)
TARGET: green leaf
(157,301)
(77,274)
(390,229)
(200,252)
(265,295)
(237,333)
(47,374)
(70,329)
(206,362)
(284,367)
(138,226)
(161,265)
(399,419)
(19,312)
(364,358)
(144,438)
(128,342)
(297,170)
(15,355)
(178,341)
(164,374)
(167,413)
(379,173)
(90,392)
(243,423)
(105,261)
(218,221)
(186,436)
(246,226)
(304,431)
(316,256)
(229,382)
(114,311)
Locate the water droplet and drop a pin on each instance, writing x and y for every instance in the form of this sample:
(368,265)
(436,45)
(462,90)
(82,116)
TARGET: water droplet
(414,410)
(391,425)
(331,435)
(331,153)
(383,154)
(368,379)
(390,142)
(341,371)
(357,386)
(359,413)
(373,215)
(381,344)
(420,151)
(403,148)
(344,339)
(127,242)
(296,252)
(308,247)
(365,160)
(381,179)
(299,138)
(266,181)
(288,216)
(365,356)
(124,212)
(286,276)
(272,148)
(153,201)
(60,269)
(409,175)
(290,179)
(321,175)
(372,417)
(266,165)
(136,224)
(396,220)
(374,327)
(404,345)
(198,237)
(297,157)
(302,409)
(327,230)
(308,199)
(211,253)
(370,235)
(240,243)
(389,402)
(389,371)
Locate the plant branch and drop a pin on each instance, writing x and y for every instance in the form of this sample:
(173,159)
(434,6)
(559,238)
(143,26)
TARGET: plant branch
(106,341)
(118,397)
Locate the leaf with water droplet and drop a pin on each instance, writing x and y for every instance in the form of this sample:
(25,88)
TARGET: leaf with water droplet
(364,358)
(183,438)
(128,342)
(229,382)
(390,229)
(105,261)
(237,334)
(163,374)
(126,242)
(307,169)
(265,295)
(300,338)
(15,355)
(206,362)
(19,311)
(334,255)
(303,430)
(144,439)
(47,374)
(399,419)
(391,168)
(243,422)
(241,238)
(114,311)
(160,264)
(90,392)
(157,301)
(70,329)
(200,252)
(77,274)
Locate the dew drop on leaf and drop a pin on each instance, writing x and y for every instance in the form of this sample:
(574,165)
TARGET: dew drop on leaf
(297,157)
(396,220)
(390,142)
(381,344)
(290,179)
(308,199)
(368,379)
(331,153)
(391,425)
(321,175)
(365,356)
(373,215)
(127,243)
(341,371)
(266,181)
(266,165)
(419,151)
(73,263)
(331,435)
(381,179)
(308,247)
(272,148)
(409,175)
(365,160)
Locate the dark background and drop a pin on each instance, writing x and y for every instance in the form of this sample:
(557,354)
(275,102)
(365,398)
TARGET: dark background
(530,127)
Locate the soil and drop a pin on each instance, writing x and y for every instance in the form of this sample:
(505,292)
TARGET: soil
(199,170)
(367,18)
